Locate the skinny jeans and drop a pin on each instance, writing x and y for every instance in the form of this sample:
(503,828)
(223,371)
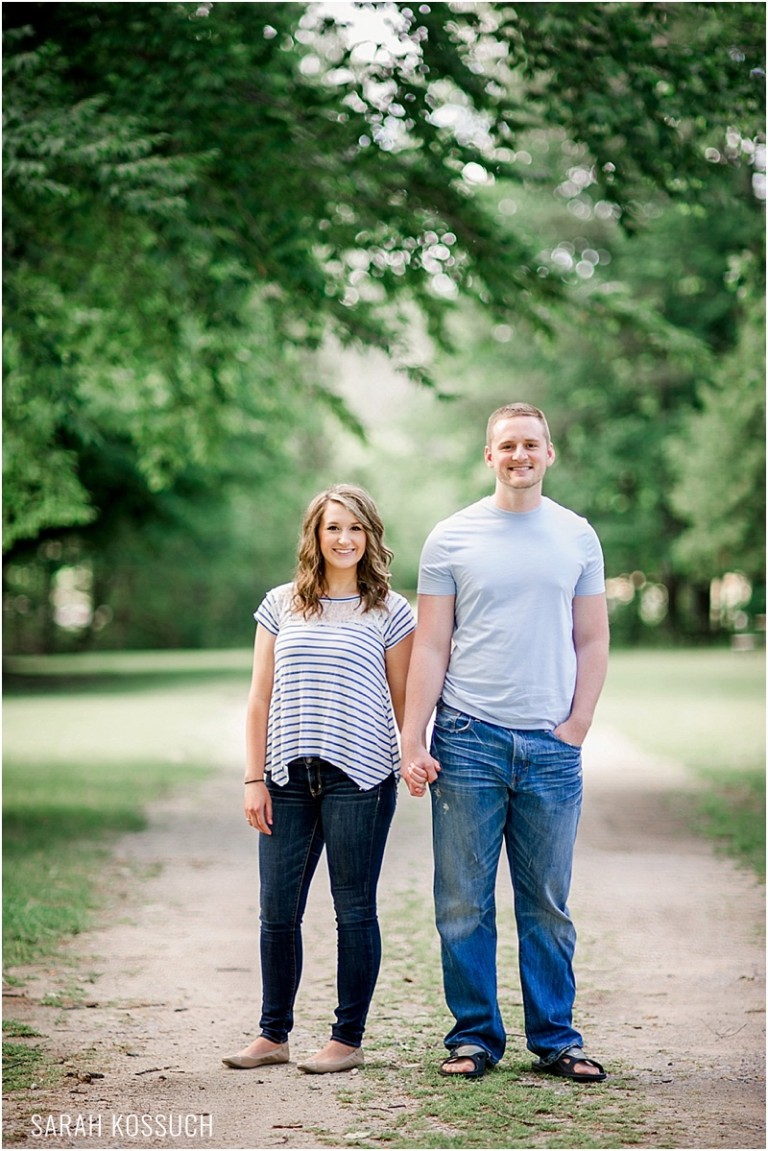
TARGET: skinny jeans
(321,807)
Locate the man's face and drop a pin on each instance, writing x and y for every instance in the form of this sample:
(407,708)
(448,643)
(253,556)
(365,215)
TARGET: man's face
(519,453)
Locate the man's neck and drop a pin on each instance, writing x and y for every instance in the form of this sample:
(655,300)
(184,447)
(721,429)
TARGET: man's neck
(520,502)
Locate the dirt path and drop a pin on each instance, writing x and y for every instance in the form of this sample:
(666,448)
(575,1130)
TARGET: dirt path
(670,965)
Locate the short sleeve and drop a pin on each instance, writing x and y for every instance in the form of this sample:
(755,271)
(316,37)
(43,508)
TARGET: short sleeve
(592,579)
(435,571)
(400,620)
(268,612)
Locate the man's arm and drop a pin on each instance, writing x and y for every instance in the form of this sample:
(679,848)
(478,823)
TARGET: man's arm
(429,663)
(590,639)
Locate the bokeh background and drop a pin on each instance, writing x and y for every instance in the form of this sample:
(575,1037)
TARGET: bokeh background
(255,248)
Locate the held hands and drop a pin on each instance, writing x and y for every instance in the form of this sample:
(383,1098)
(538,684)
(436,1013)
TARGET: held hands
(258,807)
(418,770)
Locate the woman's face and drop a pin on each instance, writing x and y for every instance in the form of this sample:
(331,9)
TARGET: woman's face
(341,537)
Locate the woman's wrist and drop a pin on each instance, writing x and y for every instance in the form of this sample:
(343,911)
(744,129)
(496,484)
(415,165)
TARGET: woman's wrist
(259,779)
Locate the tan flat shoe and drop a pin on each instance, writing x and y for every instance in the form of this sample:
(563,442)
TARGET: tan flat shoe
(325,1066)
(246,1062)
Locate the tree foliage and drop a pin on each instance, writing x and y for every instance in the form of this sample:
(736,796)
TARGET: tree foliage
(719,463)
(198,197)
(657,363)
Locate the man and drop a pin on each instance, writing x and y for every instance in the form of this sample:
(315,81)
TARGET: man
(512,646)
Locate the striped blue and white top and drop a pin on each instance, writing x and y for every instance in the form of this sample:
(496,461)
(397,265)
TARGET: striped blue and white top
(330,696)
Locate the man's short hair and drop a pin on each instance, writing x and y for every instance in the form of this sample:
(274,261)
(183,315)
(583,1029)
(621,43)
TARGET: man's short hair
(516,409)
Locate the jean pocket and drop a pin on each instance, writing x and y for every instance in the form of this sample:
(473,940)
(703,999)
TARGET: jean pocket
(451,720)
(553,756)
(564,742)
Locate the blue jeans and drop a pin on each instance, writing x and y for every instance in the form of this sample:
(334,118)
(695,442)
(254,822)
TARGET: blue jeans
(522,788)
(321,806)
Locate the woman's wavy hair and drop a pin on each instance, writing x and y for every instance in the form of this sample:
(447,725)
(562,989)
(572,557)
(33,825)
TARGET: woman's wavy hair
(373,568)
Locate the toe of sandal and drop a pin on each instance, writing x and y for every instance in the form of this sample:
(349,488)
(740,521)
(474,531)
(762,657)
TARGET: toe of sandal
(476,1055)
(565,1068)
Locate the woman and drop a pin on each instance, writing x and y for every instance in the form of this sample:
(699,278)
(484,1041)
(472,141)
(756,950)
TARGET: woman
(330,662)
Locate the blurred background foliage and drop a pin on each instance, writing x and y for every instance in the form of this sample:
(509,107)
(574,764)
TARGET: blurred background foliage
(250,249)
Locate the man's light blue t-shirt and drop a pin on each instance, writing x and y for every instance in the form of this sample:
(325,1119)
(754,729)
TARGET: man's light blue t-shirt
(514,576)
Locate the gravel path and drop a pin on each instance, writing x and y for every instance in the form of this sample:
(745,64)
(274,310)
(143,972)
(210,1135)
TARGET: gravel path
(670,967)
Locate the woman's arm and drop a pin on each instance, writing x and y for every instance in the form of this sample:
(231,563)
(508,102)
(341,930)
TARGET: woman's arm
(257,801)
(396,660)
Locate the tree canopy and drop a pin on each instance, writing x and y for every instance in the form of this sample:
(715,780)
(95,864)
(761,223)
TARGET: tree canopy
(197,197)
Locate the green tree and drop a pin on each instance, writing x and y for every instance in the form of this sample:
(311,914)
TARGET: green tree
(719,462)
(649,338)
(195,203)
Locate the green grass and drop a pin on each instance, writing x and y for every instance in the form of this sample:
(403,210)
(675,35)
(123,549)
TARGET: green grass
(88,743)
(60,819)
(506,1109)
(509,1107)
(22,1064)
(15,1029)
(705,709)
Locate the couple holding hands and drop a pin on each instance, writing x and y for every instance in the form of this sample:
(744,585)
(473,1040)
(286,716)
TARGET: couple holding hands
(510,654)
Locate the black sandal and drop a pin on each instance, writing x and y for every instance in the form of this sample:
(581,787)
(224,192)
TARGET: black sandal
(480,1060)
(564,1067)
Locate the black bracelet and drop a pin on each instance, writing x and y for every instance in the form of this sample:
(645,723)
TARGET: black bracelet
(261,779)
